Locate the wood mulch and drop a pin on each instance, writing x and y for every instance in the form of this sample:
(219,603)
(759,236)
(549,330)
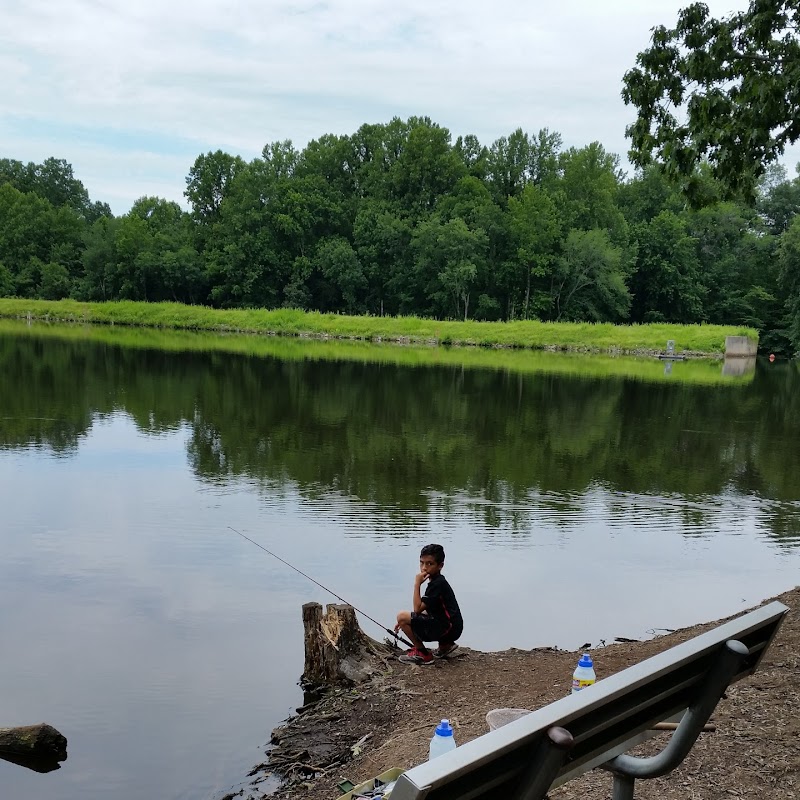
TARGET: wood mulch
(360,732)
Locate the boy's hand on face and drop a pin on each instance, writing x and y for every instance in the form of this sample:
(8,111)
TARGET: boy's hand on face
(421,578)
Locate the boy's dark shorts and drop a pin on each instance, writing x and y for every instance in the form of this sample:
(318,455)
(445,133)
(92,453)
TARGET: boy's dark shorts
(429,629)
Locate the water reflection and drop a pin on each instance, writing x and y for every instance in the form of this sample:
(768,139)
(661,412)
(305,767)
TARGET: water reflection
(736,367)
(166,648)
(395,436)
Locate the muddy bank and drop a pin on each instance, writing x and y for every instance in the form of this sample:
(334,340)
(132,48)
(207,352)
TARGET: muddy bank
(353,734)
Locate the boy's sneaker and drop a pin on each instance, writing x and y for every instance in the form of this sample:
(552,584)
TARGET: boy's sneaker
(416,656)
(444,652)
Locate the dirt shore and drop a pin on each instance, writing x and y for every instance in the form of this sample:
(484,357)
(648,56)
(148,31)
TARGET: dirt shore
(358,733)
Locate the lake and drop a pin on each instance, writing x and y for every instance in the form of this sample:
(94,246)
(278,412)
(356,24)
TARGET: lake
(578,499)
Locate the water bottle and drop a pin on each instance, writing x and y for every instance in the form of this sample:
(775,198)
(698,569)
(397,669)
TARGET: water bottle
(584,674)
(443,740)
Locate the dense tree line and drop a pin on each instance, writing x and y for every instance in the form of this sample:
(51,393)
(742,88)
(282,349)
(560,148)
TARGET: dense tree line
(398,218)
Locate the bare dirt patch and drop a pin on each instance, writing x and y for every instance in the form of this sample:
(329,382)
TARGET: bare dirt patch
(358,733)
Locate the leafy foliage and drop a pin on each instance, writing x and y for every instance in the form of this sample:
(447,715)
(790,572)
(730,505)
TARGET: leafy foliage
(789,260)
(726,91)
(396,219)
(589,280)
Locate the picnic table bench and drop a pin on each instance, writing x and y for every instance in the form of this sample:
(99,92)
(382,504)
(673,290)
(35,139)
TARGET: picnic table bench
(595,727)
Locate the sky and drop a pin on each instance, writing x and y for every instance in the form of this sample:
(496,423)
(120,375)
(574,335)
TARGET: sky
(130,93)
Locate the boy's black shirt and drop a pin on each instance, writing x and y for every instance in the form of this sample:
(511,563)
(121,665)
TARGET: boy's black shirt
(440,600)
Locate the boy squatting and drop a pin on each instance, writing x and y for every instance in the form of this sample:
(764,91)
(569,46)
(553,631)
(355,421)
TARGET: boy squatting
(435,616)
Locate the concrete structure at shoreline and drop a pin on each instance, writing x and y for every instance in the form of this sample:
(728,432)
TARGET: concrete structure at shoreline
(740,347)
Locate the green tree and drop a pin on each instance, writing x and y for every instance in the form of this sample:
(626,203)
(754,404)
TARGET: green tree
(472,202)
(779,201)
(474,155)
(340,266)
(543,164)
(666,283)
(519,159)
(296,292)
(147,254)
(55,282)
(376,150)
(333,159)
(207,184)
(647,195)
(13,172)
(32,234)
(169,254)
(99,261)
(721,90)
(736,262)
(426,168)
(449,257)
(589,186)
(588,281)
(134,272)
(536,234)
(264,242)
(789,261)
(509,165)
(247,264)
(381,239)
(6,281)
(53,180)
(281,159)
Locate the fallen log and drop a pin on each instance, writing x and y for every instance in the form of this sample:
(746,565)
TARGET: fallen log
(337,651)
(37,747)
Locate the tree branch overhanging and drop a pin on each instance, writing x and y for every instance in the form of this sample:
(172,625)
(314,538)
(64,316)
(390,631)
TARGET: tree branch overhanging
(749,67)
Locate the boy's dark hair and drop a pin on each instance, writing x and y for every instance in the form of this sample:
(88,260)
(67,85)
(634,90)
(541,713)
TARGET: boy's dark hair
(435,550)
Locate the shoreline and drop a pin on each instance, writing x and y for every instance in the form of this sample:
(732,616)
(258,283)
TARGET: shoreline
(705,369)
(398,340)
(691,341)
(386,722)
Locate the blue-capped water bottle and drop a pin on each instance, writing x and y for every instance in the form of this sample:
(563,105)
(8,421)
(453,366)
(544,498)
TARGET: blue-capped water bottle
(443,740)
(584,674)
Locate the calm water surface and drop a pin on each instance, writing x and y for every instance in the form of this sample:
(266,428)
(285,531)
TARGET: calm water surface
(166,648)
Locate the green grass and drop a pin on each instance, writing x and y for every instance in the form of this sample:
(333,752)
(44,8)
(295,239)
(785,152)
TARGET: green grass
(514,361)
(575,336)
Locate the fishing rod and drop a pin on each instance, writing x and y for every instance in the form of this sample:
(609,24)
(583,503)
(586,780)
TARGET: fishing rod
(329,591)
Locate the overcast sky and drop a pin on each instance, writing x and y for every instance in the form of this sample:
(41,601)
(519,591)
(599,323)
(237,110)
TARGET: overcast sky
(130,93)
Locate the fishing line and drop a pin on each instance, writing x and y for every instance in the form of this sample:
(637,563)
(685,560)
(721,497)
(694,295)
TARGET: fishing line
(329,591)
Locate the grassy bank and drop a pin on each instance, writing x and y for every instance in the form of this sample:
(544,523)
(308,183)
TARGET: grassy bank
(592,337)
(703,371)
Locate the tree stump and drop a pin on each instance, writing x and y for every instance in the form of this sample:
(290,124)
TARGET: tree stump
(337,651)
(37,747)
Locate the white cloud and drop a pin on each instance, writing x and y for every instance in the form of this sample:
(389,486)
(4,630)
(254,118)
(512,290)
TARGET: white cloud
(131,93)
